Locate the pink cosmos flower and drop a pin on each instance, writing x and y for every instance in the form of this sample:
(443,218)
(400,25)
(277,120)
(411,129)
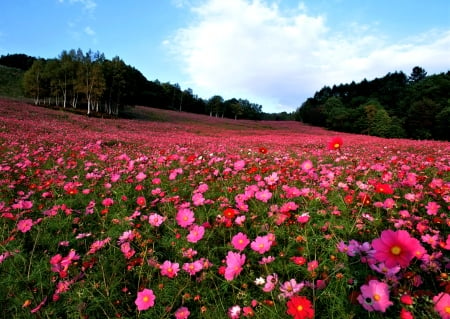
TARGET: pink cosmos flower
(271,282)
(261,244)
(140,177)
(396,248)
(169,269)
(185,217)
(375,296)
(234,261)
(193,268)
(239,165)
(145,299)
(107,202)
(307,165)
(182,313)
(432,208)
(156,220)
(196,234)
(290,288)
(442,305)
(263,195)
(240,241)
(24,225)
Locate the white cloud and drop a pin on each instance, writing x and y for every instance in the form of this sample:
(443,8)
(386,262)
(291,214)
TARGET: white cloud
(88,30)
(254,50)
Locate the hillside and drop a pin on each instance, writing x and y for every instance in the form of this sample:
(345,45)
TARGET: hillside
(11,81)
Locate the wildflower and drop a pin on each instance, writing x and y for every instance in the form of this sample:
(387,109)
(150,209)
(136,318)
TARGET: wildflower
(155,219)
(229,213)
(303,218)
(195,234)
(169,269)
(262,150)
(193,268)
(140,177)
(307,165)
(405,314)
(141,201)
(24,225)
(234,312)
(234,261)
(300,307)
(375,296)
(261,244)
(271,282)
(260,281)
(432,208)
(383,188)
(406,299)
(396,248)
(182,313)
(442,305)
(263,195)
(239,165)
(107,202)
(290,288)
(240,241)
(312,265)
(145,299)
(335,143)
(185,217)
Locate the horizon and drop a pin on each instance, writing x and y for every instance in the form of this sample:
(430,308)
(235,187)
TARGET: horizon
(273,53)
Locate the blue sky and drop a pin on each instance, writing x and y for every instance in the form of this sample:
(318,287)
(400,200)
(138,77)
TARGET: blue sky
(275,53)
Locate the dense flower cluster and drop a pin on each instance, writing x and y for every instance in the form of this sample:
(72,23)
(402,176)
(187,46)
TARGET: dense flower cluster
(201,218)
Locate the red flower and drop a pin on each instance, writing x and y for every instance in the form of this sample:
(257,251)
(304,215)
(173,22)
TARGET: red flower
(299,307)
(335,143)
(263,150)
(229,213)
(383,188)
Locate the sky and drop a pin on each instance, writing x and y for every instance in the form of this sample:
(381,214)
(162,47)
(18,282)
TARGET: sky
(275,53)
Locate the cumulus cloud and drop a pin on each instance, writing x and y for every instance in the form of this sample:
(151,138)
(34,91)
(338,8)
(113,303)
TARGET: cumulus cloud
(255,50)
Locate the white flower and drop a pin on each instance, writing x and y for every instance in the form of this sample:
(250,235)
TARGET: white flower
(260,281)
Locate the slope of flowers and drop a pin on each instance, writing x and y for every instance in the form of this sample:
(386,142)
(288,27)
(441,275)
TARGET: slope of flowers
(197,217)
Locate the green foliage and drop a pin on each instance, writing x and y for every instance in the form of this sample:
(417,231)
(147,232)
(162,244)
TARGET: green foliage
(392,106)
(11,82)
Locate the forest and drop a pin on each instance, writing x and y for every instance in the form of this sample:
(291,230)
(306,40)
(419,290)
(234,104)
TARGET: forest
(396,105)
(91,82)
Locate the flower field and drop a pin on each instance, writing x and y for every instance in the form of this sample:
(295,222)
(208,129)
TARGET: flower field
(176,215)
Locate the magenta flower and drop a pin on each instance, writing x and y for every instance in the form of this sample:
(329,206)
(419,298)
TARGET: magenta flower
(240,241)
(196,234)
(375,296)
(432,208)
(145,299)
(442,305)
(193,268)
(24,225)
(396,248)
(155,219)
(261,244)
(182,313)
(290,288)
(234,261)
(185,217)
(169,269)
(263,195)
(107,202)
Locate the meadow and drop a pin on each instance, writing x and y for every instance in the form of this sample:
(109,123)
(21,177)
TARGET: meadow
(176,215)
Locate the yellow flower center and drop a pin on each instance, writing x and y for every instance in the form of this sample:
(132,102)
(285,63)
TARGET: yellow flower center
(396,250)
(145,299)
(336,145)
(447,309)
(376,297)
(299,308)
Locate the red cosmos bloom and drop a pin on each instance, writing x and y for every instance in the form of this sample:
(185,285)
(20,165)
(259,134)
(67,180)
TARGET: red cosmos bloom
(229,213)
(263,150)
(396,248)
(300,308)
(335,143)
(383,188)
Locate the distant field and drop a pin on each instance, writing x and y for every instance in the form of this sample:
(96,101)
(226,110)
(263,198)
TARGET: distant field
(177,215)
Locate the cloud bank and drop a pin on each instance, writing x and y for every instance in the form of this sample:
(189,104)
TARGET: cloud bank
(255,50)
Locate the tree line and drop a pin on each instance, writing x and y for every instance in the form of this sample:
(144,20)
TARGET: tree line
(87,80)
(396,105)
